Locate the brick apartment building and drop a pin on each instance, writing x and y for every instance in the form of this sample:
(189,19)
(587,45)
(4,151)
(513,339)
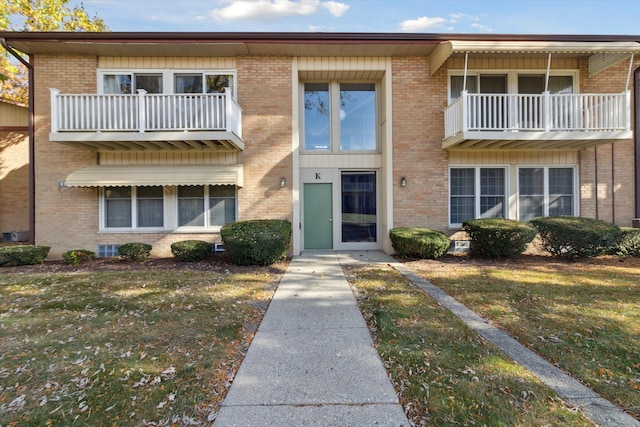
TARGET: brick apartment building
(161,137)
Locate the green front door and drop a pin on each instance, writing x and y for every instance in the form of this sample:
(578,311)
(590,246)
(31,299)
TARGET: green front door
(317,221)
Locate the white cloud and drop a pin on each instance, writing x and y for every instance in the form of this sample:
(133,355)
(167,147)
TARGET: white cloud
(335,8)
(482,28)
(269,10)
(421,24)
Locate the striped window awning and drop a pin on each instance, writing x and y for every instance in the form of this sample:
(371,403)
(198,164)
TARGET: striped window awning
(150,175)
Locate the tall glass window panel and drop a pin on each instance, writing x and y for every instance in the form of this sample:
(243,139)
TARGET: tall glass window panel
(492,193)
(151,83)
(117,203)
(191,206)
(561,190)
(117,84)
(222,204)
(462,194)
(150,206)
(217,83)
(317,133)
(357,116)
(188,83)
(530,193)
(359,217)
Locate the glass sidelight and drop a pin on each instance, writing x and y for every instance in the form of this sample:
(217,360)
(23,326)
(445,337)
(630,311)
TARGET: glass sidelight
(359,216)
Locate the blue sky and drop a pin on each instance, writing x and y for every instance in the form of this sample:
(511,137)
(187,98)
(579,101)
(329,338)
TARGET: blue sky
(620,17)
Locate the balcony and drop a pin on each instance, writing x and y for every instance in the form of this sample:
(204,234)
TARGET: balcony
(147,122)
(536,122)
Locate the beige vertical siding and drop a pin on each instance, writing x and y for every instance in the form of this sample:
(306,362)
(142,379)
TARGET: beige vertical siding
(143,62)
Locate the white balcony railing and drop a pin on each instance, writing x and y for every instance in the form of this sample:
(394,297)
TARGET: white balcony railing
(538,113)
(145,113)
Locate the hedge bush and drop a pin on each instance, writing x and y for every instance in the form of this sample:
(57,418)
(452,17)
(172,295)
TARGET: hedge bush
(419,242)
(77,256)
(628,242)
(498,237)
(23,255)
(190,250)
(135,251)
(575,237)
(256,242)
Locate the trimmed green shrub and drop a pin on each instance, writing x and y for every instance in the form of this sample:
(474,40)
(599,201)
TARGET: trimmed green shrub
(628,242)
(256,242)
(135,251)
(419,242)
(77,256)
(575,237)
(190,250)
(23,255)
(498,237)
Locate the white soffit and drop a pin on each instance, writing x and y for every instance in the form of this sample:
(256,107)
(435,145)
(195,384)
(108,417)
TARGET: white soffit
(602,55)
(148,175)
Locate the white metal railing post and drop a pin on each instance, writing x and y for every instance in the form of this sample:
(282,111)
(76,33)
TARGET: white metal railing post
(627,110)
(546,108)
(465,110)
(54,109)
(142,111)
(228,109)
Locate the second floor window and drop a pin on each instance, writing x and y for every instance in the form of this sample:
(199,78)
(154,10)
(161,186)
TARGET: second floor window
(129,83)
(340,117)
(521,83)
(126,83)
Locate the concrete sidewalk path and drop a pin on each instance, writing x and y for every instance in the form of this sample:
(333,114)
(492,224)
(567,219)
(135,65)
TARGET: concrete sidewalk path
(312,361)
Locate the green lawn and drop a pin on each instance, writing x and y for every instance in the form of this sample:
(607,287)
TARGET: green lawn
(582,316)
(444,373)
(124,347)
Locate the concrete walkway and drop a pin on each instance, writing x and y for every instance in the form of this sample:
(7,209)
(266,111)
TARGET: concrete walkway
(312,361)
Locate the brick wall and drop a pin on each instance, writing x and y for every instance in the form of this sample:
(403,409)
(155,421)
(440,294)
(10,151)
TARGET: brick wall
(264,92)
(66,218)
(418,126)
(610,197)
(14,181)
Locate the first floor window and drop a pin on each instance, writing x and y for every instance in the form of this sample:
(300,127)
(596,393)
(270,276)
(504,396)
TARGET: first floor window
(206,206)
(546,191)
(153,208)
(476,192)
(133,207)
(118,203)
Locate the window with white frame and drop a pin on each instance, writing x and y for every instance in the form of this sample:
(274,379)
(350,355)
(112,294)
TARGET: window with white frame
(167,81)
(202,83)
(546,191)
(206,206)
(143,208)
(129,83)
(133,207)
(476,192)
(340,116)
(520,82)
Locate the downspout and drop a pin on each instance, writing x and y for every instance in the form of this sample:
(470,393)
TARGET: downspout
(595,166)
(32,180)
(636,135)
